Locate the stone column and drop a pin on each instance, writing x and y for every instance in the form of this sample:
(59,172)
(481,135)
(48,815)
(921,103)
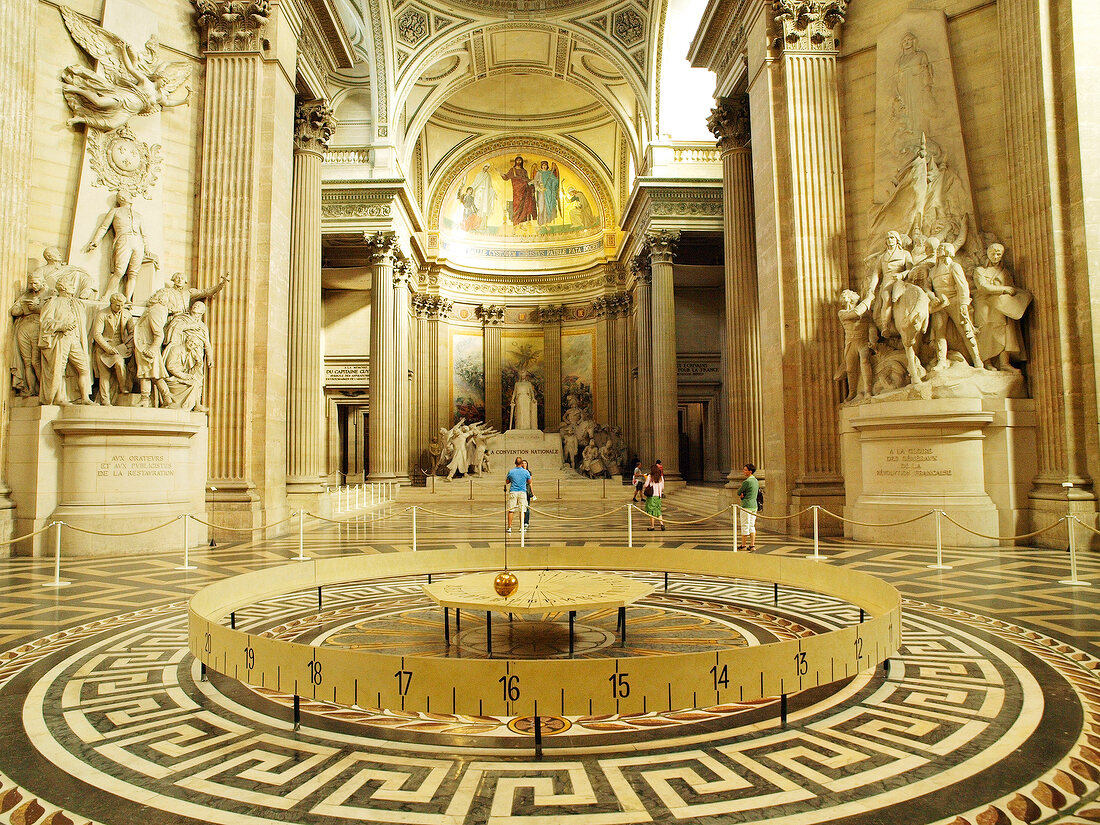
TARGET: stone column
(666,438)
(314,124)
(17,47)
(243,227)
(442,414)
(817,267)
(424,382)
(402,275)
(730,123)
(1032,74)
(550,318)
(643,320)
(382,443)
(620,363)
(492,317)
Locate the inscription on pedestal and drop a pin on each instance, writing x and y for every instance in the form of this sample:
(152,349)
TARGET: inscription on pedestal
(137,465)
(913,462)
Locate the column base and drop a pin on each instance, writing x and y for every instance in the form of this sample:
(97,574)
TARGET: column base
(1049,501)
(7,519)
(826,492)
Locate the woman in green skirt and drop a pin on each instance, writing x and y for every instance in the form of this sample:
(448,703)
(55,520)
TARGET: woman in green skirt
(654,491)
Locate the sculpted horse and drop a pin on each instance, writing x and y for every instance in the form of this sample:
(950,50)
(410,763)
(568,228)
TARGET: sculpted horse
(903,314)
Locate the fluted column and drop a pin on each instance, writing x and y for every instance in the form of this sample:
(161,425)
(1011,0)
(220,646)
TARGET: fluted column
(243,228)
(402,275)
(601,392)
(382,441)
(550,318)
(666,438)
(819,269)
(1037,197)
(643,321)
(442,413)
(730,123)
(492,317)
(620,364)
(314,124)
(424,381)
(17,45)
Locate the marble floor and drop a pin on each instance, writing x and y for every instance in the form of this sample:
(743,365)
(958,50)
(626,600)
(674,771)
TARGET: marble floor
(989,715)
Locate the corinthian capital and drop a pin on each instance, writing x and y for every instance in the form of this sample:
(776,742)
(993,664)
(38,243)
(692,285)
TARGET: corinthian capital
(314,124)
(231,25)
(661,244)
(490,315)
(729,121)
(811,25)
(380,246)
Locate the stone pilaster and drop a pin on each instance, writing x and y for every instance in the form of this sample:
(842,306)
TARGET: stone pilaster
(550,318)
(243,227)
(601,392)
(424,381)
(385,457)
(1037,197)
(729,122)
(818,268)
(17,45)
(314,124)
(492,317)
(442,413)
(666,438)
(618,361)
(643,323)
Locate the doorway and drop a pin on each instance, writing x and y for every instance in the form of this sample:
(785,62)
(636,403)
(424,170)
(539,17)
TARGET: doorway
(691,417)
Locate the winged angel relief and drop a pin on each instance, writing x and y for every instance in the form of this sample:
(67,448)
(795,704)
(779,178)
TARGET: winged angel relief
(127,82)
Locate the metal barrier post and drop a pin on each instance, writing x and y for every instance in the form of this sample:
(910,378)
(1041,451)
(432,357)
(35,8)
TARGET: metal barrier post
(817,551)
(57,559)
(1072,580)
(186,547)
(301,544)
(939,565)
(414,528)
(736,527)
(630,525)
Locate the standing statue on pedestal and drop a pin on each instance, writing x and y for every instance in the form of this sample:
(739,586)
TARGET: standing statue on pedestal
(130,250)
(524,406)
(113,339)
(150,330)
(952,294)
(61,339)
(998,306)
(26,358)
(56,265)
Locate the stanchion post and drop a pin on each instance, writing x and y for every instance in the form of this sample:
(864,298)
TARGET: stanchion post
(630,525)
(939,565)
(1069,519)
(817,550)
(603,493)
(736,527)
(559,489)
(186,546)
(57,558)
(414,528)
(471,489)
(301,538)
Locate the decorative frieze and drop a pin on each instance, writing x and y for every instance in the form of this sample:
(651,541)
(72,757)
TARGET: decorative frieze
(231,25)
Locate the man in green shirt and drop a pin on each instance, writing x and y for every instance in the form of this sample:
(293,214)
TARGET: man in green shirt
(748,492)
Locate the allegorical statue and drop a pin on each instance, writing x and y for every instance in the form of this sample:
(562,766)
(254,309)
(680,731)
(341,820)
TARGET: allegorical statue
(62,340)
(998,307)
(524,405)
(952,304)
(150,330)
(855,365)
(26,358)
(113,344)
(188,357)
(127,81)
(131,246)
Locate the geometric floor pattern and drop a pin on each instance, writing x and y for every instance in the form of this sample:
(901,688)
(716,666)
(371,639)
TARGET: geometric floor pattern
(990,714)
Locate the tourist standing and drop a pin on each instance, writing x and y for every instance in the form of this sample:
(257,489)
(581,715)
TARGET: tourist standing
(530,497)
(516,485)
(638,480)
(654,491)
(749,492)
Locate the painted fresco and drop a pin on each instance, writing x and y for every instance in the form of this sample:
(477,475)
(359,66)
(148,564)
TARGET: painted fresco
(467,376)
(578,372)
(521,352)
(520,196)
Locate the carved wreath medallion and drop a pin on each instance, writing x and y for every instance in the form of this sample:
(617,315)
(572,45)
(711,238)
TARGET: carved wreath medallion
(123,163)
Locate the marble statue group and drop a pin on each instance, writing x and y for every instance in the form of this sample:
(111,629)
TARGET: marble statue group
(591,449)
(462,450)
(67,341)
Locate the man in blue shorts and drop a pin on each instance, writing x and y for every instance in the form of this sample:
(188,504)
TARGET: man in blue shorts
(516,486)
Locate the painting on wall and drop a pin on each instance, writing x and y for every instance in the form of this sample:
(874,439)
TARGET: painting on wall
(467,376)
(578,360)
(524,196)
(521,353)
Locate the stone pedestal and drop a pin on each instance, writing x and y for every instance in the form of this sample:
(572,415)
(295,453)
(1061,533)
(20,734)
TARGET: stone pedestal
(542,451)
(972,458)
(112,470)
